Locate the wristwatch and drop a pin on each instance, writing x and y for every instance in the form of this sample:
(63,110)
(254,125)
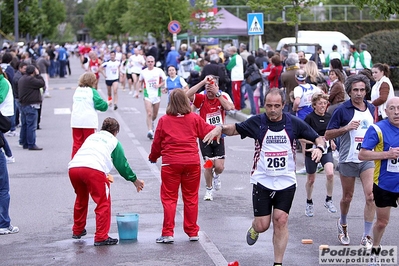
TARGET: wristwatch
(321,148)
(218,94)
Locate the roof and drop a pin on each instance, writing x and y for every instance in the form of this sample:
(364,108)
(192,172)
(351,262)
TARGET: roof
(229,25)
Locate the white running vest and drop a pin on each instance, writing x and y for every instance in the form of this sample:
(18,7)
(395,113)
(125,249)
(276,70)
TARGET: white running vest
(276,166)
(357,136)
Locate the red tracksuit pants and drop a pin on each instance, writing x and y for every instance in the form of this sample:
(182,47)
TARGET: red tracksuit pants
(188,177)
(88,181)
(79,135)
(236,91)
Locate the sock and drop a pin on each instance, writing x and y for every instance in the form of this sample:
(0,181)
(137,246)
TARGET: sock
(328,198)
(209,188)
(343,219)
(277,264)
(367,228)
(309,201)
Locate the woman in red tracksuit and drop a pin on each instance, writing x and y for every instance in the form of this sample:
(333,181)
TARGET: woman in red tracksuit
(176,141)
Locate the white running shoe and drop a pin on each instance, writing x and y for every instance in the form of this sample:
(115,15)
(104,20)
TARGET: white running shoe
(150,134)
(208,194)
(309,211)
(367,242)
(9,230)
(165,239)
(343,235)
(330,206)
(301,171)
(10,159)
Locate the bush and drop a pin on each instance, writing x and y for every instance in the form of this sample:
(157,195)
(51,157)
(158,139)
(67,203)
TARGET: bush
(382,46)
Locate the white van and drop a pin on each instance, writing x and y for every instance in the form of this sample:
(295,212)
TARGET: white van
(324,38)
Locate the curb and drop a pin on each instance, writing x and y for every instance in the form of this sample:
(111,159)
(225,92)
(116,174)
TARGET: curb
(238,115)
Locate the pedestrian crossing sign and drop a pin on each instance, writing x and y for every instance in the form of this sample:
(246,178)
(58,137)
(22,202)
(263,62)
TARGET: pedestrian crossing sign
(255,24)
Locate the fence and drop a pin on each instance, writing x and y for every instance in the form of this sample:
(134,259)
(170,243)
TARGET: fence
(315,13)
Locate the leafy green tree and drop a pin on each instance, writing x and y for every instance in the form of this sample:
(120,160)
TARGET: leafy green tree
(153,16)
(35,17)
(232,2)
(379,7)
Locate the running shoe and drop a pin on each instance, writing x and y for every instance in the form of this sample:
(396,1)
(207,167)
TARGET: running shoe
(84,232)
(343,235)
(107,242)
(193,238)
(252,236)
(150,134)
(309,211)
(10,159)
(9,230)
(130,92)
(301,171)
(330,206)
(208,194)
(165,239)
(374,259)
(367,242)
(109,101)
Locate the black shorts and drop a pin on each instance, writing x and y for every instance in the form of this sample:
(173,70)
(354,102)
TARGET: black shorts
(213,150)
(129,76)
(264,199)
(110,82)
(384,198)
(311,166)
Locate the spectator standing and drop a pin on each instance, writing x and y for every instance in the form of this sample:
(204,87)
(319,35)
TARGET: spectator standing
(86,102)
(6,109)
(354,57)
(333,55)
(62,59)
(275,72)
(43,63)
(337,91)
(288,81)
(5,220)
(30,98)
(243,52)
(364,60)
(172,58)
(176,141)
(249,89)
(316,57)
(382,90)
(88,172)
(236,67)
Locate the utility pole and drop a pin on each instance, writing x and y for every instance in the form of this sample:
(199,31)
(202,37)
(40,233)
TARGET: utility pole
(16,21)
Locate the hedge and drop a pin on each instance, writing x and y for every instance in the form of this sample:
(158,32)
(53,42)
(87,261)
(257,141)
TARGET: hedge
(274,31)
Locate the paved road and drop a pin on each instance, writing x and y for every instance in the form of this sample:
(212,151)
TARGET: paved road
(42,201)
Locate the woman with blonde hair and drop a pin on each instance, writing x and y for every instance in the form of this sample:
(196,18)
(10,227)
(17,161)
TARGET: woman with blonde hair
(315,77)
(86,102)
(175,140)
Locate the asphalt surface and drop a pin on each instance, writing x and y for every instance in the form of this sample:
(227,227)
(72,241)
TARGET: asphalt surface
(42,200)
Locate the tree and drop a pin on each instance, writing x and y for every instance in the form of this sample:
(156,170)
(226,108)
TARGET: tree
(202,21)
(379,7)
(35,17)
(298,7)
(153,16)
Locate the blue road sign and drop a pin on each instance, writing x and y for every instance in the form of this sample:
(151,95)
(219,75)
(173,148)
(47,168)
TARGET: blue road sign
(255,24)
